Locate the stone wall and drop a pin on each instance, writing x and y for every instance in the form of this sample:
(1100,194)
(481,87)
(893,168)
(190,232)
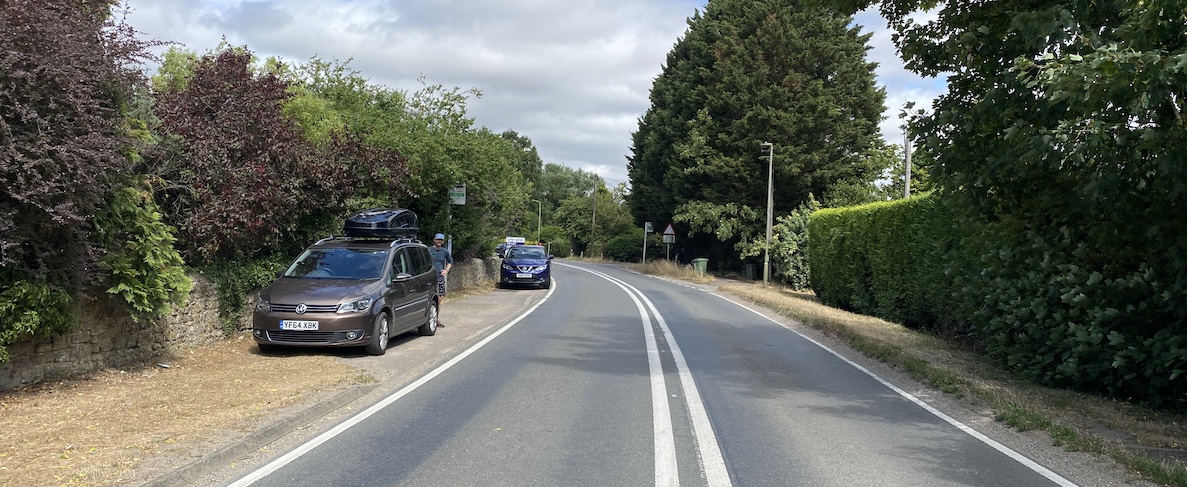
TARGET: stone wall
(472,272)
(107,337)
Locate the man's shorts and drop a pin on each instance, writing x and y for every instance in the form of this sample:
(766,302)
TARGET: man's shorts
(440,284)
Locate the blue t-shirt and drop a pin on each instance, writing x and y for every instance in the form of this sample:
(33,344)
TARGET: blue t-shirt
(440,257)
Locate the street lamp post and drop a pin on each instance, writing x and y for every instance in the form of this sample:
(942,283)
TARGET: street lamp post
(766,258)
(538,220)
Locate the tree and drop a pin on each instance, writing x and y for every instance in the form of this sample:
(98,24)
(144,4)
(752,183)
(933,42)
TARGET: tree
(894,178)
(747,73)
(443,147)
(1059,142)
(67,75)
(590,228)
(240,175)
(529,163)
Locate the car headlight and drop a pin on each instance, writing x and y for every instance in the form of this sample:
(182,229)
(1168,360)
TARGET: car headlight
(356,306)
(262,304)
(508,267)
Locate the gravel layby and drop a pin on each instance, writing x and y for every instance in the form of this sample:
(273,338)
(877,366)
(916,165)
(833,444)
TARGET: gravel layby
(107,428)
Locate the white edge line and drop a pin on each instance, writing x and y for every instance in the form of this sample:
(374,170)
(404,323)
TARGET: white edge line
(1018,457)
(387,401)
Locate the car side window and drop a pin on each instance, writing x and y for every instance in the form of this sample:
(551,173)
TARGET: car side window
(422,259)
(400,262)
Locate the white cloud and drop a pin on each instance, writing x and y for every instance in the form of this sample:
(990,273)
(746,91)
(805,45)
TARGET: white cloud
(574,76)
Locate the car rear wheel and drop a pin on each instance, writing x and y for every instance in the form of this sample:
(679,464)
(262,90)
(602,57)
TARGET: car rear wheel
(378,343)
(429,328)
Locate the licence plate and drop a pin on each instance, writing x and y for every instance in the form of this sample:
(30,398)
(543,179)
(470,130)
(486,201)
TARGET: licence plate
(523,276)
(298,325)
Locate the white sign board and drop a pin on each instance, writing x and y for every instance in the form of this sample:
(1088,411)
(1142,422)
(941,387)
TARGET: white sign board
(669,238)
(647,227)
(670,231)
(515,240)
(457,195)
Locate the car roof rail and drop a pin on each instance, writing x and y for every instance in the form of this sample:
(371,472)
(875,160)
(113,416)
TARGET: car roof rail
(331,238)
(348,238)
(402,240)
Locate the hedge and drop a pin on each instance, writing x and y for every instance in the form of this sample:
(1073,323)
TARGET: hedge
(1035,298)
(885,259)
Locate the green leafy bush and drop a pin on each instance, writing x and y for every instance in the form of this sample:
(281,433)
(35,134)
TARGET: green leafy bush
(29,309)
(628,247)
(236,280)
(141,265)
(558,243)
(789,246)
(1048,314)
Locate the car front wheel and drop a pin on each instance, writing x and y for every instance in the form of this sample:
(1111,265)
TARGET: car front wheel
(378,343)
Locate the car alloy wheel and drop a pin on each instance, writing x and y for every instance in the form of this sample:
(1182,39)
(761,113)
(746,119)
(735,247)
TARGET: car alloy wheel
(378,343)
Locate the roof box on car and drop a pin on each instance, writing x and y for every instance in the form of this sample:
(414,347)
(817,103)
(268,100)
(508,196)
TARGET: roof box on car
(382,223)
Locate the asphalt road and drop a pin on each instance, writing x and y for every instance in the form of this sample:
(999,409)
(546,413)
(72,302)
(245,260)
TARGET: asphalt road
(616,379)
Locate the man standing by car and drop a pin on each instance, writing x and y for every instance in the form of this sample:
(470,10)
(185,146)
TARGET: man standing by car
(442,262)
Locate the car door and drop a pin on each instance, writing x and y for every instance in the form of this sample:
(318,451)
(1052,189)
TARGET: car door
(427,276)
(401,295)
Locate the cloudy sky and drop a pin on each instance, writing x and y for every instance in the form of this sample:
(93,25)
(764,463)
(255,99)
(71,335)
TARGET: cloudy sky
(572,75)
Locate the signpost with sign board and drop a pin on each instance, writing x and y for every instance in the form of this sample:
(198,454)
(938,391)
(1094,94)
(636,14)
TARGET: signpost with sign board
(646,230)
(457,195)
(669,239)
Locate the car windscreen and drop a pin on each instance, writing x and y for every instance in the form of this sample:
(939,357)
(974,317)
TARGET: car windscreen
(525,253)
(339,263)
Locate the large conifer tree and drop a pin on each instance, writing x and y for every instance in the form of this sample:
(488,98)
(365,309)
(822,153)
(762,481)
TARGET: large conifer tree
(748,72)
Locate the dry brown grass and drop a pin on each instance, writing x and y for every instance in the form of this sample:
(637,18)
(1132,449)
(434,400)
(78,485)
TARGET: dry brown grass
(1076,420)
(98,430)
(668,268)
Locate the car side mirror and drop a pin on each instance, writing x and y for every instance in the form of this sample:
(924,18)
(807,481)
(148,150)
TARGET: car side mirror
(549,256)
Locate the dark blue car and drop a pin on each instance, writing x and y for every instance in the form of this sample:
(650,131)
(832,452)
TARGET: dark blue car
(528,265)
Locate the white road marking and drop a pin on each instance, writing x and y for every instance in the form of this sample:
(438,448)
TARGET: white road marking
(1018,457)
(708,449)
(387,401)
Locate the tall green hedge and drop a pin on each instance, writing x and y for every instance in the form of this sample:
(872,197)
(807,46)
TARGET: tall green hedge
(886,259)
(1035,299)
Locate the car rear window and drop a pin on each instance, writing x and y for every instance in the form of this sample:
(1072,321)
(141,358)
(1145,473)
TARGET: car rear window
(338,263)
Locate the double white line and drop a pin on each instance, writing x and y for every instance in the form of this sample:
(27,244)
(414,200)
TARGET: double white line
(666,473)
(709,452)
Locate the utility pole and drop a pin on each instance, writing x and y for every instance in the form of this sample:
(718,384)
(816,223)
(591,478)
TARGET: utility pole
(907,169)
(766,257)
(593,224)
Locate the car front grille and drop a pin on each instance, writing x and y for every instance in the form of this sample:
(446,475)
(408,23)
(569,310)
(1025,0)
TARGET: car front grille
(301,336)
(530,268)
(309,308)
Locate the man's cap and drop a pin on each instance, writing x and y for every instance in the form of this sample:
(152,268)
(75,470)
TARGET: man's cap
(439,236)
